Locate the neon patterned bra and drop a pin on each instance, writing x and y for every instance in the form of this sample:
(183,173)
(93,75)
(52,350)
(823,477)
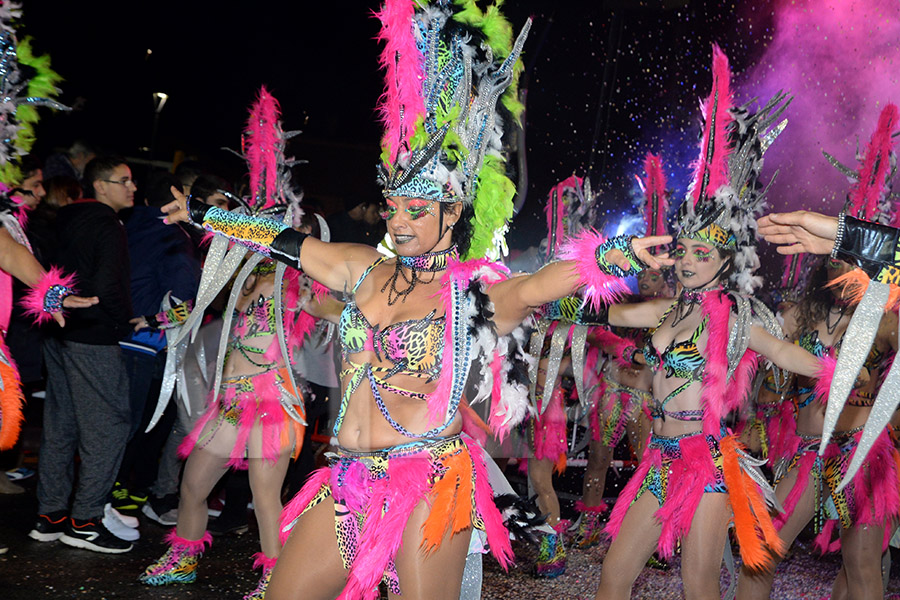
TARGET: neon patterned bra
(680,359)
(413,346)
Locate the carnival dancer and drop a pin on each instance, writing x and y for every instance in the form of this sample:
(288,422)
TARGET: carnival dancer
(809,480)
(255,414)
(404,489)
(761,419)
(559,344)
(623,406)
(694,477)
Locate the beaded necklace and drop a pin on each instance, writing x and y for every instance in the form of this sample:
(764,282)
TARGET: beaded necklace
(432,262)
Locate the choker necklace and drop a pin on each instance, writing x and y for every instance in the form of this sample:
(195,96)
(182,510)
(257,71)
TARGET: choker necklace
(432,262)
(686,302)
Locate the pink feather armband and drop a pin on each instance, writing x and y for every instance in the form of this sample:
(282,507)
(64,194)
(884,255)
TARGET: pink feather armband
(46,297)
(601,287)
(824,375)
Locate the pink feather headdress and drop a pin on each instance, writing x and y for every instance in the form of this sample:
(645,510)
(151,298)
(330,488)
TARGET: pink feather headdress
(402,102)
(869,195)
(263,145)
(558,214)
(711,168)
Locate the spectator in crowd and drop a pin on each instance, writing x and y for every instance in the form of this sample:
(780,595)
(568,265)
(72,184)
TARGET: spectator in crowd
(86,406)
(71,162)
(163,260)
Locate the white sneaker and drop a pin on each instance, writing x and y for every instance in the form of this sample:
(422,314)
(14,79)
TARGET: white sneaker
(127,520)
(118,528)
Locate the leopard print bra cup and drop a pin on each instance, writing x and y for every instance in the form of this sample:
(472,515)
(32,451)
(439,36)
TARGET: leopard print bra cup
(413,346)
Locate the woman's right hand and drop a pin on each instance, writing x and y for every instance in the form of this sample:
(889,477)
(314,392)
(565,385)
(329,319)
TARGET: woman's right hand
(176,211)
(799,231)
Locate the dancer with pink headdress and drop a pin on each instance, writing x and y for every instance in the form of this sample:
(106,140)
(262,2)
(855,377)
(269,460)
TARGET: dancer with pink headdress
(809,474)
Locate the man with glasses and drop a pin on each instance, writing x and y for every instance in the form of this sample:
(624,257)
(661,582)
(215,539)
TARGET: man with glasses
(87,407)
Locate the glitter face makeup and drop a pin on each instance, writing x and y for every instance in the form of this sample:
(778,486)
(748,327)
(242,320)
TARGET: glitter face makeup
(416,209)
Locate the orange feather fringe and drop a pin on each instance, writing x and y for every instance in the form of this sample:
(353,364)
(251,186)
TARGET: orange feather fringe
(451,501)
(854,284)
(753,525)
(11,402)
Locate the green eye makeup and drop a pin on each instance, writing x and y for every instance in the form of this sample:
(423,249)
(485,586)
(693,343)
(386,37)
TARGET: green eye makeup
(415,211)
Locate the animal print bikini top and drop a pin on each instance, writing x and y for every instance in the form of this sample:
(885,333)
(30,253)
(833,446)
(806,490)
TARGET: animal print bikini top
(875,361)
(413,346)
(680,359)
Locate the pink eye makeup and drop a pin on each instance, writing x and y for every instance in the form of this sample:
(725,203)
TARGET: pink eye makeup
(678,252)
(702,254)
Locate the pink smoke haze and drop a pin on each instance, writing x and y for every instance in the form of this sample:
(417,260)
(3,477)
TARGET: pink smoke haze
(841,61)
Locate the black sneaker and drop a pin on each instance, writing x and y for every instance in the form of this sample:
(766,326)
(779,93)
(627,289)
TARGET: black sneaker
(93,535)
(50,527)
(122,500)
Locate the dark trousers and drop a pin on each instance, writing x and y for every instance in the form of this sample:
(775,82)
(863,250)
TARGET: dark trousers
(86,410)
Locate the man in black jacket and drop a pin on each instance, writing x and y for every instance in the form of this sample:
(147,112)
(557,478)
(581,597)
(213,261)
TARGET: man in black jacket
(86,407)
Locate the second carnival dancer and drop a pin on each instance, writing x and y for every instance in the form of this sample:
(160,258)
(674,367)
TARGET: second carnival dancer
(563,340)
(255,417)
(624,405)
(808,482)
(694,477)
(28,83)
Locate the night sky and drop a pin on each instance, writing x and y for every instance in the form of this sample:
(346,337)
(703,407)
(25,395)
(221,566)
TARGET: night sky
(606,82)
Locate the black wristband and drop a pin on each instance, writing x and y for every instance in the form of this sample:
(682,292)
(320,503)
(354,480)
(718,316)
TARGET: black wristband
(197,210)
(286,247)
(870,246)
(152,321)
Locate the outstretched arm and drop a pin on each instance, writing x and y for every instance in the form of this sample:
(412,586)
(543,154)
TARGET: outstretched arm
(516,298)
(16,260)
(784,354)
(799,231)
(334,265)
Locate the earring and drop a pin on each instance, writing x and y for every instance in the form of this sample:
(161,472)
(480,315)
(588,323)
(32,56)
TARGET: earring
(450,226)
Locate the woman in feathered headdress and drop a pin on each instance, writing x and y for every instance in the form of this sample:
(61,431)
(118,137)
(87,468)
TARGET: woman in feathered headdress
(255,414)
(694,476)
(809,474)
(405,492)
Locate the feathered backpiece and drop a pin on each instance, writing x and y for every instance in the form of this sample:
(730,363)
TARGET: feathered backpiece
(262,147)
(797,269)
(870,195)
(725,195)
(26,82)
(570,208)
(447,64)
(655,204)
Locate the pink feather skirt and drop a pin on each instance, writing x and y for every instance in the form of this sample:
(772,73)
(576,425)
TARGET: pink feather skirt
(375,494)
(548,431)
(872,498)
(248,421)
(677,471)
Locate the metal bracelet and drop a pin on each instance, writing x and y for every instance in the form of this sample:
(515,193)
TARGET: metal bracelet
(839,236)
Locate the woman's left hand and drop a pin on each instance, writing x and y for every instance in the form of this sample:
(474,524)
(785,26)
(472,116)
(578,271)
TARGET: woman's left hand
(73,302)
(176,211)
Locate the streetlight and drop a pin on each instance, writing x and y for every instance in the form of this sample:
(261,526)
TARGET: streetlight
(159,102)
